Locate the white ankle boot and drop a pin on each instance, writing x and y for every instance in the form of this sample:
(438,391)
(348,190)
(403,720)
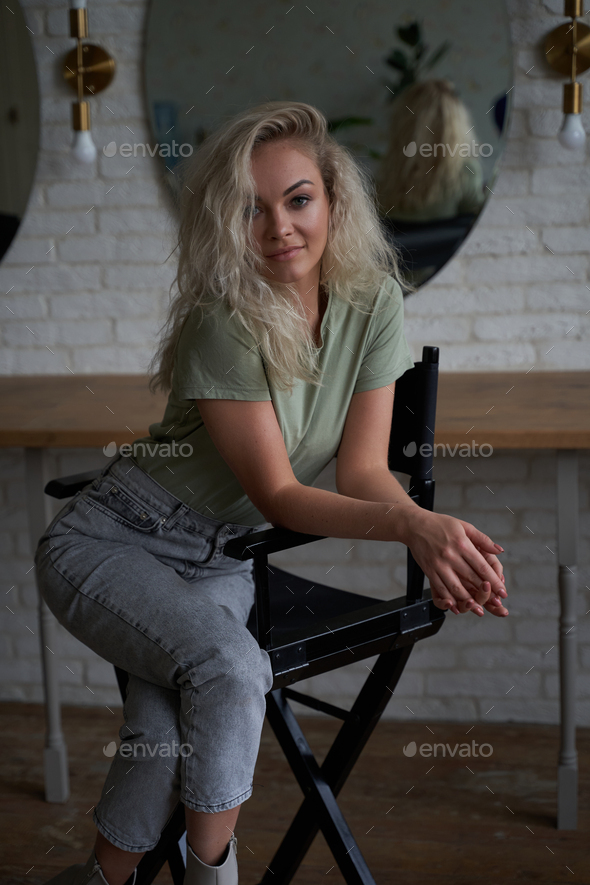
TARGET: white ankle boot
(88,873)
(199,873)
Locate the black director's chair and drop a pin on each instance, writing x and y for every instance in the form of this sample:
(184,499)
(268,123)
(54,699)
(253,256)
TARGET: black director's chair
(306,635)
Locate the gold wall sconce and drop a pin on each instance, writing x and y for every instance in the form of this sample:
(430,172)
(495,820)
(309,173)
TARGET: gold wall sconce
(88,69)
(567,49)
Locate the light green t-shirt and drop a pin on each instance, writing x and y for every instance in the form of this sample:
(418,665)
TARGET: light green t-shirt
(220,360)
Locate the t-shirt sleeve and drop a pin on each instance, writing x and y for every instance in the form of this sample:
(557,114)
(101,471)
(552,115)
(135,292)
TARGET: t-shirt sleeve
(217,358)
(387,355)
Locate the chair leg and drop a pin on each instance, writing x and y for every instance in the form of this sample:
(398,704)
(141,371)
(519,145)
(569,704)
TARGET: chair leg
(122,680)
(319,809)
(176,864)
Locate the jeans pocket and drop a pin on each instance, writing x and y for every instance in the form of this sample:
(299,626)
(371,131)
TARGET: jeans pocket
(116,501)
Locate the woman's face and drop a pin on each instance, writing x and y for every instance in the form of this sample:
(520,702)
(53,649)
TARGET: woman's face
(291,210)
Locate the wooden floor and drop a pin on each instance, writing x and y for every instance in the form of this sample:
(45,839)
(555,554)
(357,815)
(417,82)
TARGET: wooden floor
(465,821)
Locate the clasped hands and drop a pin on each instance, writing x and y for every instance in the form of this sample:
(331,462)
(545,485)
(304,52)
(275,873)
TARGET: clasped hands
(460,563)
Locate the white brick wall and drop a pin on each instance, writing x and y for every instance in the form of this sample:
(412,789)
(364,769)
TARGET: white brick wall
(86,275)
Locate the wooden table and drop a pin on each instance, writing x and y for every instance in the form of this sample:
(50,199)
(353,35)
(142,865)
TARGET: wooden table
(507,410)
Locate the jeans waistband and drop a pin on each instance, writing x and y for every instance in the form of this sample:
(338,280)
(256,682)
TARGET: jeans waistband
(175,511)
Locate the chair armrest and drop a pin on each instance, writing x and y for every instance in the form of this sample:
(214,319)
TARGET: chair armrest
(67,486)
(267,541)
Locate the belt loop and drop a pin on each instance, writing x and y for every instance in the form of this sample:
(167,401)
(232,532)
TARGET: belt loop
(169,521)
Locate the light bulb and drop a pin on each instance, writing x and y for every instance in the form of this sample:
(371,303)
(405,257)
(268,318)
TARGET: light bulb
(83,148)
(572,134)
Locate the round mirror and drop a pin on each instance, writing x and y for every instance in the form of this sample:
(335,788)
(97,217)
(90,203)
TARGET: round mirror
(421,101)
(19,130)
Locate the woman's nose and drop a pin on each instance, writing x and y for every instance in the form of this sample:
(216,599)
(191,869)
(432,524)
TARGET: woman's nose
(278,223)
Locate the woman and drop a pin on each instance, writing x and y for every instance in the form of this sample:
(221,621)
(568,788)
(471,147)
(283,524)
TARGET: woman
(273,366)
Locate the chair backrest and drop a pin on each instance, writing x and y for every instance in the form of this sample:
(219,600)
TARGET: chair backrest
(411,443)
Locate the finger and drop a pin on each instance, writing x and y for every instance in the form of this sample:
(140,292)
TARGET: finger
(481,539)
(463,598)
(454,585)
(441,597)
(492,560)
(496,608)
(478,589)
(472,606)
(476,601)
(498,568)
(471,580)
(479,564)
(466,569)
(481,596)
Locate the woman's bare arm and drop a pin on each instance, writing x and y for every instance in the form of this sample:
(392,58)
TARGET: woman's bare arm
(249,439)
(317,511)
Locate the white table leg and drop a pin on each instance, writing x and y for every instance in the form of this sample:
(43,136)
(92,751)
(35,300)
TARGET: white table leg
(55,753)
(567,544)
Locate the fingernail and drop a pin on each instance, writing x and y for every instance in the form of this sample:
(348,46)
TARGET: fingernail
(501,549)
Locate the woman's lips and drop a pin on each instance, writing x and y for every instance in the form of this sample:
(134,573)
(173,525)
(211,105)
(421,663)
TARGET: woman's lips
(285,256)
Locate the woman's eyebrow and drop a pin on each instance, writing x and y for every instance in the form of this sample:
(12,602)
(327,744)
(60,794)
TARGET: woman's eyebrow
(293,186)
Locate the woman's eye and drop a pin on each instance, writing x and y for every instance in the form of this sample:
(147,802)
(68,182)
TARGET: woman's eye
(251,210)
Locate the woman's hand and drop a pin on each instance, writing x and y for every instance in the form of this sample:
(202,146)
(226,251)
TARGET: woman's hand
(494,604)
(459,561)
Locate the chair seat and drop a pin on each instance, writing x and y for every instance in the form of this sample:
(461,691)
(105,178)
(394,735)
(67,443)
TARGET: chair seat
(296,603)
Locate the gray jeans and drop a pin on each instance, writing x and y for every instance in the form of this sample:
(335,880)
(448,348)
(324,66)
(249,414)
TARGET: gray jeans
(141,578)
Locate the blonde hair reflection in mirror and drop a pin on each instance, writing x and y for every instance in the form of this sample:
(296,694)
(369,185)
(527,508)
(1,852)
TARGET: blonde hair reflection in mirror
(428,112)
(218,258)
